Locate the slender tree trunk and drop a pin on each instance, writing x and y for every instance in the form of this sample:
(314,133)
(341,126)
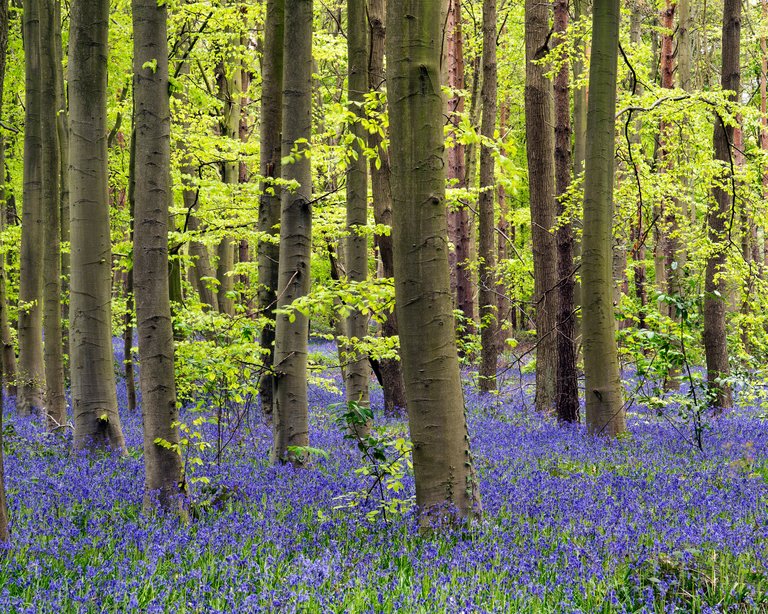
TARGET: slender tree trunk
(459,228)
(567,389)
(539,120)
(579,148)
(486,246)
(291,412)
(269,202)
(605,410)
(7,352)
(31,374)
(53,351)
(764,121)
(163,470)
(442,461)
(62,130)
(504,308)
(381,191)
(94,397)
(5,536)
(358,371)
(715,290)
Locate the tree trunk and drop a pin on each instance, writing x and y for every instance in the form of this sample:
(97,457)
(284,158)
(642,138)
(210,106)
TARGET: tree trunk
(486,246)
(579,149)
(381,191)
(539,120)
(53,350)
(504,308)
(459,228)
(442,461)
(605,410)
(358,371)
(567,388)
(94,398)
(31,374)
(764,123)
(269,202)
(715,290)
(4,532)
(7,352)
(163,469)
(291,412)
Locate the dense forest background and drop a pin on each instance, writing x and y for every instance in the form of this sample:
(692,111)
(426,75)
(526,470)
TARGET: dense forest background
(470,291)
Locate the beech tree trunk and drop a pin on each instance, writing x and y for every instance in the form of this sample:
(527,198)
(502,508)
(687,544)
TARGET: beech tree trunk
(604,407)
(381,192)
(459,228)
(7,351)
(4,532)
(94,398)
(715,290)
(31,373)
(442,461)
(162,462)
(486,247)
(539,119)
(56,401)
(358,371)
(269,202)
(566,389)
(291,411)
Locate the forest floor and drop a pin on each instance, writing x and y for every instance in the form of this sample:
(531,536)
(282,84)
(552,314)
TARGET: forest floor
(646,523)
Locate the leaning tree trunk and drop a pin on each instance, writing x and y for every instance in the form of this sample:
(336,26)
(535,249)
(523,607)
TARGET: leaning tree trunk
(541,179)
(291,411)
(31,373)
(567,387)
(442,462)
(163,468)
(94,397)
(4,532)
(358,371)
(486,246)
(381,193)
(269,202)
(605,410)
(53,352)
(715,290)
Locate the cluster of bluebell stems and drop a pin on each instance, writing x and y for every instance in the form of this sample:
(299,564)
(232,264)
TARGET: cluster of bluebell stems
(563,513)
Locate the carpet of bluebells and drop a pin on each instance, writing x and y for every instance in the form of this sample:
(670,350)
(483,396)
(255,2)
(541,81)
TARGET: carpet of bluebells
(571,523)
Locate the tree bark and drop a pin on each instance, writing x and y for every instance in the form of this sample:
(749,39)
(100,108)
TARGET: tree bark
(566,389)
(291,412)
(94,397)
(358,371)
(5,536)
(486,246)
(715,290)
(31,373)
(53,350)
(162,461)
(7,351)
(381,192)
(540,147)
(442,461)
(269,202)
(604,407)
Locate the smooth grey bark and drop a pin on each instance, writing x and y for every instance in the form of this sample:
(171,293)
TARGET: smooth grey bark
(442,461)
(381,193)
(53,349)
(31,373)
(540,148)
(291,411)
(358,371)
(269,202)
(489,352)
(715,290)
(162,462)
(604,406)
(94,398)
